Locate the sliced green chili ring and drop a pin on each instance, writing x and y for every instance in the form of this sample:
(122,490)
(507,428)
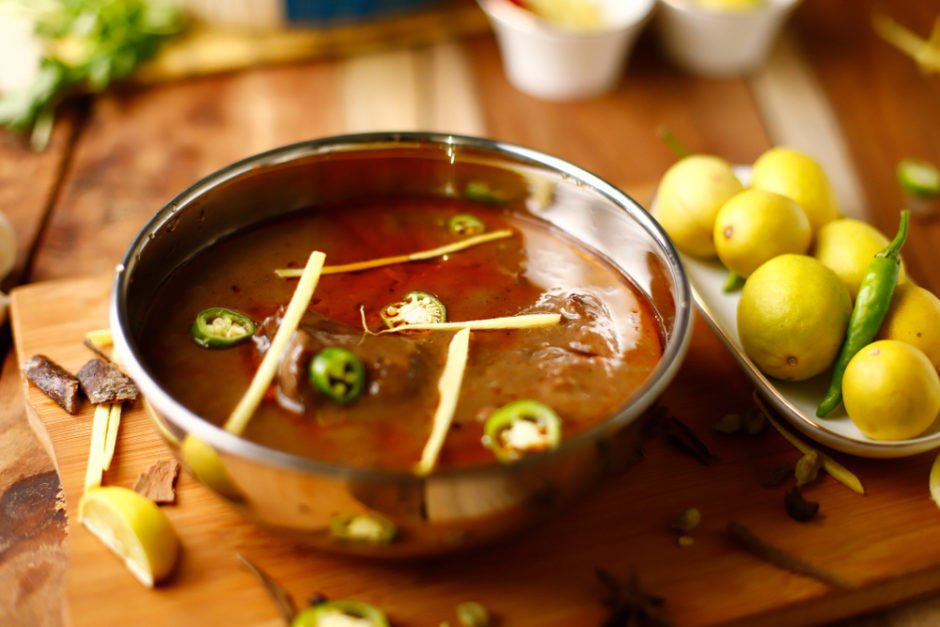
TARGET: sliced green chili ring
(920,179)
(338,373)
(317,615)
(473,614)
(479,191)
(465,225)
(871,306)
(218,327)
(415,308)
(527,417)
(363,529)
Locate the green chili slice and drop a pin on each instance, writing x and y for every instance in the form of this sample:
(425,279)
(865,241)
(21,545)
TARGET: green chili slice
(338,373)
(520,428)
(871,306)
(473,614)
(363,614)
(920,179)
(415,308)
(478,191)
(362,529)
(218,327)
(465,225)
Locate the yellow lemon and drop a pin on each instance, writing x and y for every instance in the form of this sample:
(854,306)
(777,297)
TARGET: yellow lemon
(569,14)
(847,246)
(792,317)
(730,5)
(205,464)
(891,391)
(755,226)
(797,176)
(134,528)
(7,246)
(689,197)
(914,317)
(934,481)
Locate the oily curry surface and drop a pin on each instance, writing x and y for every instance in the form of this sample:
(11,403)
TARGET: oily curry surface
(584,368)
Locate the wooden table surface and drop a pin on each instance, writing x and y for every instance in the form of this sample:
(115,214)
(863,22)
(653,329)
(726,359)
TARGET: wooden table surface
(831,88)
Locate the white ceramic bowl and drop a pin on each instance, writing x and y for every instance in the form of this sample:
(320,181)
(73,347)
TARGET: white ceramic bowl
(553,63)
(720,43)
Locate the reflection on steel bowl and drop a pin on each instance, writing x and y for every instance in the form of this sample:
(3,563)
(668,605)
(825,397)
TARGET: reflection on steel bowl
(369,436)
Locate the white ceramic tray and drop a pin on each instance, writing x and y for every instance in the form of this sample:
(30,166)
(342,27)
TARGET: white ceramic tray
(795,401)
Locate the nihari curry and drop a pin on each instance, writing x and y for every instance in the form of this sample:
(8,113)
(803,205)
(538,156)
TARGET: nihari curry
(355,385)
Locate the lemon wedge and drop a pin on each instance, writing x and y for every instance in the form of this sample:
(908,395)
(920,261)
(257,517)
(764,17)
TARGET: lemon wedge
(935,481)
(7,246)
(134,528)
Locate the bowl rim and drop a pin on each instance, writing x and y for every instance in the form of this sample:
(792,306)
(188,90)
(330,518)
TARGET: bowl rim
(662,375)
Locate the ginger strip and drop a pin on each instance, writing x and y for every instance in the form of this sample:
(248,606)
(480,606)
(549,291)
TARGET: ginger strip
(299,302)
(110,443)
(417,256)
(527,321)
(99,430)
(100,338)
(925,52)
(449,389)
(97,341)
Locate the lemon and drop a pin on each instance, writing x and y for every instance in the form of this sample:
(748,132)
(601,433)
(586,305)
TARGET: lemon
(755,226)
(847,246)
(689,197)
(914,317)
(7,246)
(797,176)
(134,528)
(934,481)
(730,5)
(577,15)
(792,317)
(205,464)
(891,391)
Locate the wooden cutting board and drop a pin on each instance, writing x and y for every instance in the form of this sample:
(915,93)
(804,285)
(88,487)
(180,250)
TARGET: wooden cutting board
(884,542)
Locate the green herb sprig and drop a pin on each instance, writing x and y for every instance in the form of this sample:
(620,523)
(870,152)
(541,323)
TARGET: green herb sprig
(87,45)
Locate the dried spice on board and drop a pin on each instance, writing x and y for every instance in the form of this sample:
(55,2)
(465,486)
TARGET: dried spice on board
(158,482)
(104,383)
(59,384)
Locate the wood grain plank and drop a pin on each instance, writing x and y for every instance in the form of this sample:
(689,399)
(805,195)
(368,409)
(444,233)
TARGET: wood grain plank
(29,182)
(886,108)
(544,576)
(143,146)
(454,101)
(616,135)
(380,92)
(33,551)
(194,127)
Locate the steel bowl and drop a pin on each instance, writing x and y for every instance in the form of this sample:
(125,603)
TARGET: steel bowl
(450,509)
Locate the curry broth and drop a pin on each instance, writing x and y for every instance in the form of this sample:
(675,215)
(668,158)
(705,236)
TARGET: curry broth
(586,371)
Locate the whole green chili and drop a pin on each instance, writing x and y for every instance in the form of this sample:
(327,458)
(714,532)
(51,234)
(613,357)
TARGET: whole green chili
(871,305)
